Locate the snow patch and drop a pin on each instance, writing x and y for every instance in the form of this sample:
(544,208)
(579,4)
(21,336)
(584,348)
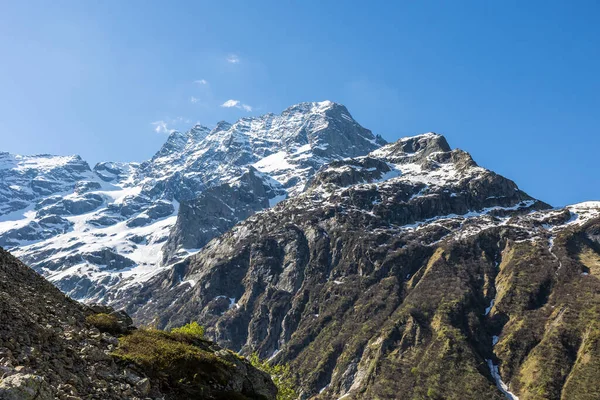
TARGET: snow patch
(488,309)
(277,199)
(501,385)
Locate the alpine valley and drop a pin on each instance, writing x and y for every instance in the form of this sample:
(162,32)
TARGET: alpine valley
(375,270)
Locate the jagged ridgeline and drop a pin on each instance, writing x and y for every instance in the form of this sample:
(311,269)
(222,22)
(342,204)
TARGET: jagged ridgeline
(375,271)
(96,232)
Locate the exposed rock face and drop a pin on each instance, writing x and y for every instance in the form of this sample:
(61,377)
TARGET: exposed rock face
(409,273)
(48,351)
(56,214)
(217,210)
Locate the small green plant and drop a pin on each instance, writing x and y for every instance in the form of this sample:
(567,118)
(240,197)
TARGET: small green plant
(104,322)
(281,375)
(193,329)
(432,393)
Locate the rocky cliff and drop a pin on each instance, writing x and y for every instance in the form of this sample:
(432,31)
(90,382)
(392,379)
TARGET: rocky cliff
(410,273)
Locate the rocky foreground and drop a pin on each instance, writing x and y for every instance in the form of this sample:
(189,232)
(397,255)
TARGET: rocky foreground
(52,347)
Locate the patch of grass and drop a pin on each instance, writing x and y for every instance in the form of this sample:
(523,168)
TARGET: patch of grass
(192,330)
(104,322)
(180,359)
(582,381)
(591,260)
(281,375)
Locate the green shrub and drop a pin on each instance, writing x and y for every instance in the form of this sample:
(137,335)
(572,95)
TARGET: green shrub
(192,330)
(178,356)
(281,375)
(104,322)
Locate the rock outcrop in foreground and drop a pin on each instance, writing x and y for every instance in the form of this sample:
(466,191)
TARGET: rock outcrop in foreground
(51,349)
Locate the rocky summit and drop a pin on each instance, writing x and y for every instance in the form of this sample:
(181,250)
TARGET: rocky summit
(96,232)
(373,270)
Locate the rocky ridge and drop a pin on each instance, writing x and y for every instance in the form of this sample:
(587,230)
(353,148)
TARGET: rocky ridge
(407,273)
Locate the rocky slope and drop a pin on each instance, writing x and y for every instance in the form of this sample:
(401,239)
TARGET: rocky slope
(410,273)
(94,233)
(48,351)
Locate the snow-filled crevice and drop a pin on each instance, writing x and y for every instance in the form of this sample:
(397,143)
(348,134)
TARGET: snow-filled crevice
(494,370)
(551,249)
(489,308)
(499,383)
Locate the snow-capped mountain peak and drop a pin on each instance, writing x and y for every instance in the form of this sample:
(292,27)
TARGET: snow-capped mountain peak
(92,231)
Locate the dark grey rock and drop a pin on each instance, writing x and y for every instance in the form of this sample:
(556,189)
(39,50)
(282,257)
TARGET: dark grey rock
(109,258)
(160,209)
(141,220)
(86,186)
(106,220)
(215,211)
(76,206)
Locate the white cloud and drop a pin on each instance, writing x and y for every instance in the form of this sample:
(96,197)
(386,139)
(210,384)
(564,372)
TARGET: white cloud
(164,126)
(161,127)
(201,82)
(231,103)
(193,99)
(233,59)
(237,104)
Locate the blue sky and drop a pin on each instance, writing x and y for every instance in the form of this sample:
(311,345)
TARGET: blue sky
(515,83)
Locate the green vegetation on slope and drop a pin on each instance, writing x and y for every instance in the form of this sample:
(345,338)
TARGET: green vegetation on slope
(184,358)
(191,366)
(104,322)
(281,375)
(193,330)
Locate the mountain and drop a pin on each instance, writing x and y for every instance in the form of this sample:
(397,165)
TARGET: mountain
(409,273)
(377,271)
(50,348)
(97,232)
